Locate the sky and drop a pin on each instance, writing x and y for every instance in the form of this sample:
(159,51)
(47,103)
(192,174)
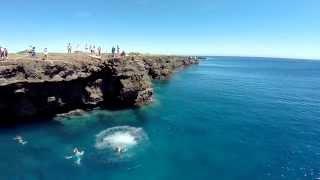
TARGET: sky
(269,28)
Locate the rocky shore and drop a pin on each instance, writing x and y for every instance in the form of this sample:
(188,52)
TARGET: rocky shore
(36,88)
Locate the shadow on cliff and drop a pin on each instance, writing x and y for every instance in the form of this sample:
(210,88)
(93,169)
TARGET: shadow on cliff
(9,122)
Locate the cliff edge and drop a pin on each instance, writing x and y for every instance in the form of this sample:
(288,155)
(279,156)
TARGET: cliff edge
(32,88)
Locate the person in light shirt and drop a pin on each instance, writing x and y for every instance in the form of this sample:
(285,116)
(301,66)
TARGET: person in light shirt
(77,155)
(45,53)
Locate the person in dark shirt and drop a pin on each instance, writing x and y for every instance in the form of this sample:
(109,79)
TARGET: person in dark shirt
(5,53)
(118,50)
(113,51)
(1,53)
(69,48)
(123,54)
(99,51)
(33,51)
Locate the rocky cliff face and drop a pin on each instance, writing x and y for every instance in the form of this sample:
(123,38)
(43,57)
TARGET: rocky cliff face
(162,68)
(44,88)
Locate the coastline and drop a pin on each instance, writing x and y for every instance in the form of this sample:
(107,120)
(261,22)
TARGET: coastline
(35,88)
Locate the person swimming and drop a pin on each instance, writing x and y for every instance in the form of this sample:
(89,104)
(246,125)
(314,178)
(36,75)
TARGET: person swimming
(77,155)
(120,149)
(20,140)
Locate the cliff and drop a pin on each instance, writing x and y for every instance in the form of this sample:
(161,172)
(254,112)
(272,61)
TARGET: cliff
(32,88)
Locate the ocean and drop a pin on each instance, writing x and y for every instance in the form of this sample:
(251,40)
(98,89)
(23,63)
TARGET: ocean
(226,118)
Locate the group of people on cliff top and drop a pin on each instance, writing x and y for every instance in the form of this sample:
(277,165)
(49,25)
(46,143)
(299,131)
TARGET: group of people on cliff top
(3,53)
(32,52)
(92,49)
(115,51)
(117,54)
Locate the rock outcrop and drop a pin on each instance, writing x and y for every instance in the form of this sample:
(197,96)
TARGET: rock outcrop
(162,68)
(44,88)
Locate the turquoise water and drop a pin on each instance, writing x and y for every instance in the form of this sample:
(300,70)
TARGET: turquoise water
(228,118)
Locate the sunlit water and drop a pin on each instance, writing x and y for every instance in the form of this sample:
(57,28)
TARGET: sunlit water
(228,118)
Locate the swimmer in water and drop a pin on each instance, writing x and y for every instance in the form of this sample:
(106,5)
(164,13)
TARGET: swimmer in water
(77,154)
(20,140)
(120,149)
(17,138)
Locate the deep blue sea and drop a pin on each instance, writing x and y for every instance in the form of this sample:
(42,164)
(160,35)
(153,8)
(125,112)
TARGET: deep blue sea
(227,118)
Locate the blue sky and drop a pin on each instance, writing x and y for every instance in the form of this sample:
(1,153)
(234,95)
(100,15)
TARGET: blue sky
(279,28)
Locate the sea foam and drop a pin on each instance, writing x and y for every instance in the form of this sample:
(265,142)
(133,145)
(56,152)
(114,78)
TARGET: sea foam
(124,137)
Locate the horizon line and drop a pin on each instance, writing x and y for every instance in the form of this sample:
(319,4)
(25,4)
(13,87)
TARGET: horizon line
(207,55)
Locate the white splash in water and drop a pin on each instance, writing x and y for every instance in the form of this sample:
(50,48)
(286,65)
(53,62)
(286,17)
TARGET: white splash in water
(121,138)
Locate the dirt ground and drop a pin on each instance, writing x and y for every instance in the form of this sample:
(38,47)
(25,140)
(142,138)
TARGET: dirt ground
(56,57)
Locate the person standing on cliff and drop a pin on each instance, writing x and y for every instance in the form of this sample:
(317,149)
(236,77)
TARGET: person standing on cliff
(45,54)
(118,50)
(5,53)
(69,48)
(113,51)
(29,50)
(94,49)
(33,52)
(123,54)
(1,53)
(86,48)
(99,51)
